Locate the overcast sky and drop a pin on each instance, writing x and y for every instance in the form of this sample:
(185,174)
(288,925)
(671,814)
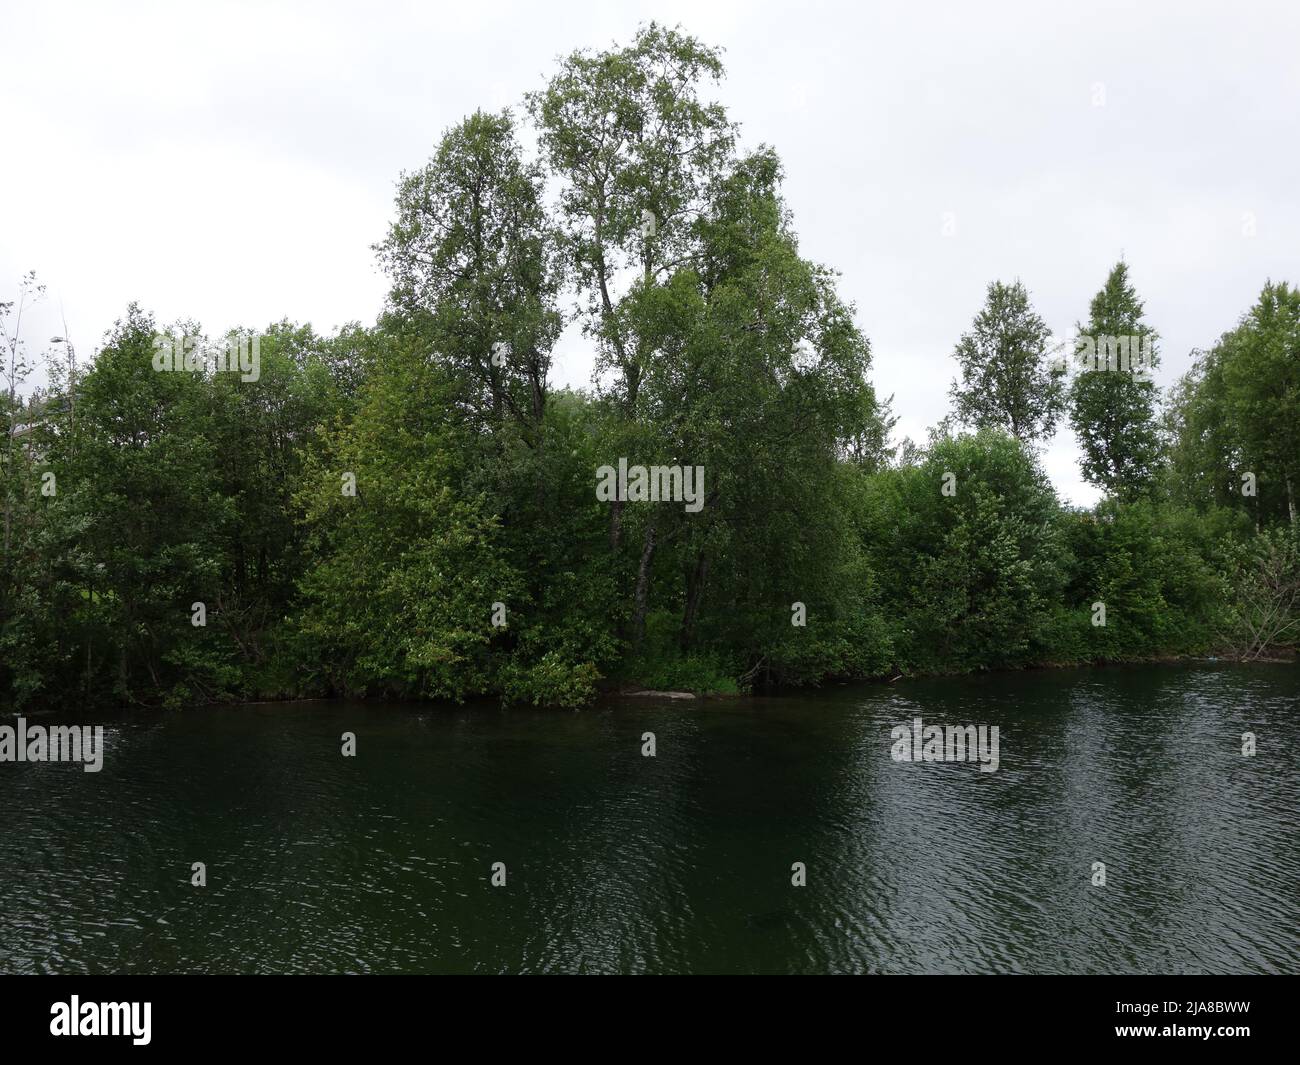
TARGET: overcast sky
(233,163)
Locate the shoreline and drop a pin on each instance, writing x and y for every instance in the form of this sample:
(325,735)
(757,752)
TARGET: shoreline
(616,691)
(625,690)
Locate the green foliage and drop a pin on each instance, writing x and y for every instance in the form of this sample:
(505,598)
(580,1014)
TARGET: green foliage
(1234,423)
(1158,571)
(971,574)
(1112,407)
(1261,383)
(408,565)
(1007,381)
(661,665)
(1265,601)
(1204,453)
(475,267)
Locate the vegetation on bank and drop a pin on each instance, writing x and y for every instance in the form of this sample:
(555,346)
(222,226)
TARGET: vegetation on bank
(408,509)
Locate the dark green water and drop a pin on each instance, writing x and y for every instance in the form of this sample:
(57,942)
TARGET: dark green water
(682,862)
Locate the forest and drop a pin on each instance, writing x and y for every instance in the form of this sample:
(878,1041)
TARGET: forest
(408,509)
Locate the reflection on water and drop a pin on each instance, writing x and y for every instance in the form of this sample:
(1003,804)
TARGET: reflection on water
(682,862)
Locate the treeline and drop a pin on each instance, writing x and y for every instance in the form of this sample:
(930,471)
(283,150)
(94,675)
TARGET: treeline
(410,510)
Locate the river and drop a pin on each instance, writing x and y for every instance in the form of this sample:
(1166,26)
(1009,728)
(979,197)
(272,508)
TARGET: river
(681,862)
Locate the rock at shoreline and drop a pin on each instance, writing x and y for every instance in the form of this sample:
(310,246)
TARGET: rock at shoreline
(664,695)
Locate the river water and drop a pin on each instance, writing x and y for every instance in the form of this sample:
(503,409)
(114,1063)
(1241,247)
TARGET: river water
(681,862)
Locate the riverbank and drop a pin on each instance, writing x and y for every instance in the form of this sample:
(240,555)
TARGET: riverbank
(624,689)
(1282,656)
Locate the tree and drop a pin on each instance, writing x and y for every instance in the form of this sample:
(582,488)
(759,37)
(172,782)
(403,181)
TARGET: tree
(140,479)
(1203,454)
(1234,420)
(1006,379)
(406,564)
(1261,381)
(473,261)
(1156,569)
(967,553)
(417,587)
(768,390)
(15,370)
(1266,586)
(636,152)
(1112,405)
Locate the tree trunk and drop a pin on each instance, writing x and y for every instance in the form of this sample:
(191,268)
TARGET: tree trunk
(694,592)
(642,590)
(615,524)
